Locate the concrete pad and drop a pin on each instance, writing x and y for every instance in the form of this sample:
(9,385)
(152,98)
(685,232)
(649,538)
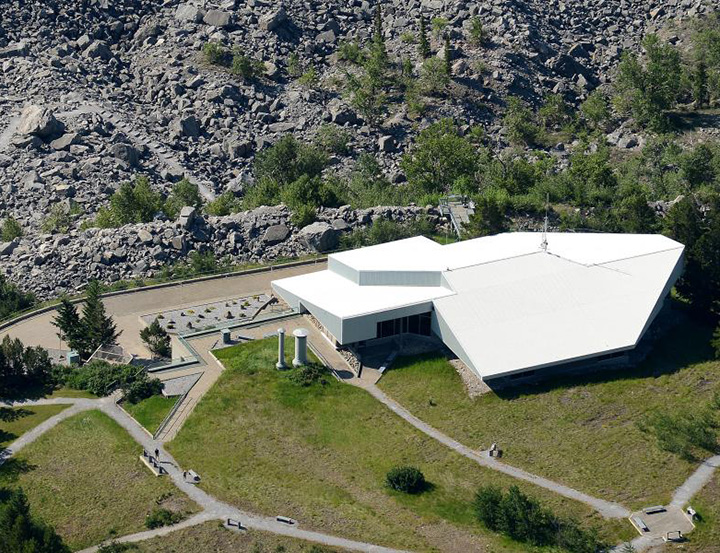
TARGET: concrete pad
(659,524)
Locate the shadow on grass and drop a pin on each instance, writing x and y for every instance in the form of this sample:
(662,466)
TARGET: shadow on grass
(689,121)
(27,393)
(8,414)
(685,345)
(12,468)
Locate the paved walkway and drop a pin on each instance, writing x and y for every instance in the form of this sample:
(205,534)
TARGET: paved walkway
(605,508)
(213,509)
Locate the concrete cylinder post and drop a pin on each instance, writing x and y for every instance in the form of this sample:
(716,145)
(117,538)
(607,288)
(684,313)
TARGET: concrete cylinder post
(281,349)
(300,347)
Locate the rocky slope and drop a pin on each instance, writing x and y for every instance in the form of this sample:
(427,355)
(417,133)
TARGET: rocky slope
(119,87)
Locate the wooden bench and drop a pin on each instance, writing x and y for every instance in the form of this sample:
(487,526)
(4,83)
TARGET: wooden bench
(654,510)
(285,520)
(640,524)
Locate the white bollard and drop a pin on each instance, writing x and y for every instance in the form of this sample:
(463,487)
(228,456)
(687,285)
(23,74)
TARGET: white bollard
(281,350)
(300,347)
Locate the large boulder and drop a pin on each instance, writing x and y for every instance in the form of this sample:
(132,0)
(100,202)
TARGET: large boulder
(98,50)
(186,126)
(188,13)
(218,18)
(275,234)
(321,237)
(39,121)
(273,20)
(15,49)
(127,153)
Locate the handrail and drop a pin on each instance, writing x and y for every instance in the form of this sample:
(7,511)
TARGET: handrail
(170,414)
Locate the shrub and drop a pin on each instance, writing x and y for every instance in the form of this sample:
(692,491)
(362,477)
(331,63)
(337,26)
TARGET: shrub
(309,78)
(159,517)
(287,160)
(294,65)
(141,387)
(434,78)
(406,480)
(308,374)
(715,343)
(10,230)
(519,122)
(225,204)
(350,52)
(303,215)
(476,31)
(382,231)
(408,37)
(61,218)
(215,54)
(12,299)
(333,139)
(595,110)
(681,433)
(98,377)
(184,193)
(246,67)
(438,25)
(134,202)
(117,547)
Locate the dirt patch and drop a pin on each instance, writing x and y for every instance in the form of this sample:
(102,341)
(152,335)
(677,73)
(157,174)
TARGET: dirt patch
(473,383)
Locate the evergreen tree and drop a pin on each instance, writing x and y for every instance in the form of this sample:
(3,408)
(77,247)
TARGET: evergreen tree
(700,86)
(156,338)
(68,323)
(19,532)
(376,64)
(423,43)
(448,56)
(99,328)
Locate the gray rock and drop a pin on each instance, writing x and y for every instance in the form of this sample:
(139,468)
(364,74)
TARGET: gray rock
(39,121)
(319,236)
(65,141)
(275,234)
(387,143)
(189,13)
(127,153)
(186,126)
(15,50)
(98,50)
(273,20)
(218,18)
(187,216)
(6,248)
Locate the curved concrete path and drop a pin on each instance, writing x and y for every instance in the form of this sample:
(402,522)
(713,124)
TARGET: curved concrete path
(213,509)
(607,509)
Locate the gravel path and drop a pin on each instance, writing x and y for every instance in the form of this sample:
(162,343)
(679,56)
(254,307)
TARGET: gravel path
(213,509)
(607,509)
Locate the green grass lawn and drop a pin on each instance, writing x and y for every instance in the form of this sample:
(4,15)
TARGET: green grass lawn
(706,536)
(24,419)
(213,537)
(71,393)
(579,431)
(320,454)
(85,478)
(150,412)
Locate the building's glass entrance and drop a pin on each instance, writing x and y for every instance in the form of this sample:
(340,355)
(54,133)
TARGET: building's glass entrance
(414,324)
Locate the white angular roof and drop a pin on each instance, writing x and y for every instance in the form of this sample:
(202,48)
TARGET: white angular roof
(504,304)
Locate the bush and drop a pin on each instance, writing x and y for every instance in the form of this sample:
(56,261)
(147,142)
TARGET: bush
(10,230)
(23,368)
(117,547)
(309,78)
(246,67)
(215,54)
(406,480)
(97,377)
(225,204)
(308,374)
(184,193)
(134,202)
(303,215)
(382,231)
(433,76)
(476,31)
(438,25)
(61,218)
(159,517)
(519,122)
(350,52)
(141,387)
(333,139)
(523,519)
(294,65)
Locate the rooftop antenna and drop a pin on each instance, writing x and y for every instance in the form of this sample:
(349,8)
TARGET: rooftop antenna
(544,243)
